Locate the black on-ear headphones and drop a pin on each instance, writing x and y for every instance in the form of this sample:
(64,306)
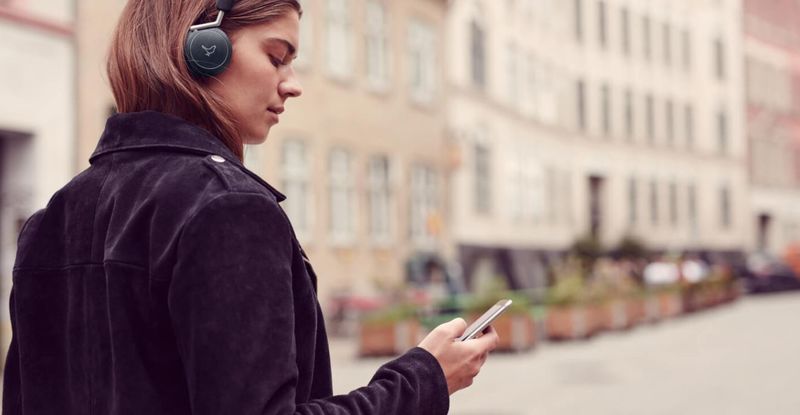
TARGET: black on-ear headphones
(208,50)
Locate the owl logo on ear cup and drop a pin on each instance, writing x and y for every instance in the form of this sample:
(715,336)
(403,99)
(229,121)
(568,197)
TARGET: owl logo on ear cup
(207,52)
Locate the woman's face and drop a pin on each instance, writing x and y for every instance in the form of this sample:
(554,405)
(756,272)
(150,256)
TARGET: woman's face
(260,77)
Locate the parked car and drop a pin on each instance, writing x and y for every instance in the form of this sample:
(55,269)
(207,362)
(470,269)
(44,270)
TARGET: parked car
(765,273)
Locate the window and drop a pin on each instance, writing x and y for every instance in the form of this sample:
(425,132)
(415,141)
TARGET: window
(342,196)
(380,199)
(422,61)
(535,197)
(602,32)
(580,98)
(579,20)
(688,121)
(565,199)
(478,54)
(673,204)
(647,50)
(725,207)
(306,51)
(551,83)
(525,188)
(377,44)
(629,115)
(517,188)
(424,204)
(722,131)
(606,109)
(512,77)
(687,50)
(339,43)
(654,203)
(483,175)
(252,159)
(650,121)
(632,202)
(626,31)
(692,207)
(551,186)
(669,116)
(666,37)
(719,59)
(531,88)
(295,168)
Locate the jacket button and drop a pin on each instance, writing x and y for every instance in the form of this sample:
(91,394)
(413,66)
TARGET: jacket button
(217,158)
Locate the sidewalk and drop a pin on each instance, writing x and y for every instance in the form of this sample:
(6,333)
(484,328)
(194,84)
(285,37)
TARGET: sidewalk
(739,359)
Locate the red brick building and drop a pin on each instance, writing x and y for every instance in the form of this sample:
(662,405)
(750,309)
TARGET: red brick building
(772,65)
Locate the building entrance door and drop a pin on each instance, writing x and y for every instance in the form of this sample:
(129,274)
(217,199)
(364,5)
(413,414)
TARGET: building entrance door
(596,213)
(764,226)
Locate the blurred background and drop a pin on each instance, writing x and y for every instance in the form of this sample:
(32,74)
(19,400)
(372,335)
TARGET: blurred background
(608,164)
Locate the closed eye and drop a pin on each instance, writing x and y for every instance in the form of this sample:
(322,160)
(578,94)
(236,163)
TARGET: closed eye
(276,62)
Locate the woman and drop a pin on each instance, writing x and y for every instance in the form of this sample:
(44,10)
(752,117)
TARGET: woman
(166,279)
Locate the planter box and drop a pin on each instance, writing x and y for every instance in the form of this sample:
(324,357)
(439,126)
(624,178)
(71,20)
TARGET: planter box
(733,292)
(387,339)
(637,311)
(669,305)
(517,332)
(596,316)
(651,309)
(566,323)
(615,315)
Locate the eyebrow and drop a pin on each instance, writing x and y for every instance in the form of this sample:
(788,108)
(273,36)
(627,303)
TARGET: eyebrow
(289,46)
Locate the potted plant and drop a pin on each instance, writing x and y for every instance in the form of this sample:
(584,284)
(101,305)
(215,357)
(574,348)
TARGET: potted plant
(669,300)
(610,295)
(643,306)
(390,331)
(515,327)
(566,316)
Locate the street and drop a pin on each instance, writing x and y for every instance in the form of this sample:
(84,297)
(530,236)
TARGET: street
(737,359)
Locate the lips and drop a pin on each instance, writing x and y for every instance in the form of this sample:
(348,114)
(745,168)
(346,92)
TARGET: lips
(275,111)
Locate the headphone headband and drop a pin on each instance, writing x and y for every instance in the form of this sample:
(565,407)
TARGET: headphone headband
(225,5)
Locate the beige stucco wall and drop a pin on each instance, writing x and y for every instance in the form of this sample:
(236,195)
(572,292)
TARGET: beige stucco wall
(545,134)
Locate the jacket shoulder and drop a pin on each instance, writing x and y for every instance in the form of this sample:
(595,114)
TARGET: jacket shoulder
(185,181)
(233,177)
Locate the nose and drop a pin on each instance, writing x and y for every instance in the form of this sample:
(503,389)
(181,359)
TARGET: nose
(290,87)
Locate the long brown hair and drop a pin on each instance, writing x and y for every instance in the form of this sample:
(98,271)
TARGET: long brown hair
(146,67)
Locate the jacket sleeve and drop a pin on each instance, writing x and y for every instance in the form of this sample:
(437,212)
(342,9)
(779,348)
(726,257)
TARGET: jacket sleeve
(231,306)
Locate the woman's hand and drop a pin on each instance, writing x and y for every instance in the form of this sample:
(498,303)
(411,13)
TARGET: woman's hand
(460,361)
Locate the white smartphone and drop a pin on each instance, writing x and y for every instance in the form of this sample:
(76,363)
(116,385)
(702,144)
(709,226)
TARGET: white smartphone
(485,320)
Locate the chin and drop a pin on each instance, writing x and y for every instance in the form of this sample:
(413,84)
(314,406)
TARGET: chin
(254,139)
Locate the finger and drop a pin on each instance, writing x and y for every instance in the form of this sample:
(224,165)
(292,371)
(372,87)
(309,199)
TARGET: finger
(454,328)
(488,341)
(482,333)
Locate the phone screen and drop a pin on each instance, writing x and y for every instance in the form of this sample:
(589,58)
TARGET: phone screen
(485,320)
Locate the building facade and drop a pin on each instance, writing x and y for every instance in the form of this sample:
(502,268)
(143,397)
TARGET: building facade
(37,120)
(602,118)
(362,155)
(772,65)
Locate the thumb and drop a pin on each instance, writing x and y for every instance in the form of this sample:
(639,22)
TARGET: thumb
(454,328)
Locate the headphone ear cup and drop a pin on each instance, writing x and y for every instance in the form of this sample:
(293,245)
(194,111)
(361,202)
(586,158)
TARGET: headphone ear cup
(207,52)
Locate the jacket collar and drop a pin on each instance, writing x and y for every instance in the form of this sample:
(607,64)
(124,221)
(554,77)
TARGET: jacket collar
(151,130)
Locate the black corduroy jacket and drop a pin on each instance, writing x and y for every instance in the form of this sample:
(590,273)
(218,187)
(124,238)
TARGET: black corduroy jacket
(166,279)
